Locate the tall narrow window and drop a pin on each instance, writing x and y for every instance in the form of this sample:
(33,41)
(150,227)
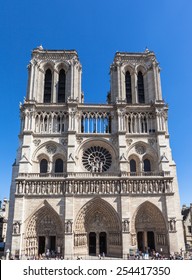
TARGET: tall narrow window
(59,166)
(43,166)
(147,165)
(140,85)
(128,87)
(47,86)
(61,87)
(132,166)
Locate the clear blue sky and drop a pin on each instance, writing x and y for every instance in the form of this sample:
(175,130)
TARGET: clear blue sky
(97,29)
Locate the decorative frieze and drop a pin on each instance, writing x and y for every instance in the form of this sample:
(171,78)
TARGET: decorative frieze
(90,187)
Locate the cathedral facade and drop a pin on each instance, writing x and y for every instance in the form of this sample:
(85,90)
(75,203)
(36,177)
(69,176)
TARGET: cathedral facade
(93,178)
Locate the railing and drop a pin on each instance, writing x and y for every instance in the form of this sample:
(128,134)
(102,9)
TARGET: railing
(94,174)
(149,173)
(42,175)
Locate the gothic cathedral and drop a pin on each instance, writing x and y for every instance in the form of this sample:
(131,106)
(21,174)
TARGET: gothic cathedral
(93,178)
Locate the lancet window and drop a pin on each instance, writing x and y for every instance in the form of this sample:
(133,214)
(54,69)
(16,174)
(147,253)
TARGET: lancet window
(47,86)
(61,86)
(133,167)
(140,86)
(59,166)
(43,166)
(128,87)
(146,165)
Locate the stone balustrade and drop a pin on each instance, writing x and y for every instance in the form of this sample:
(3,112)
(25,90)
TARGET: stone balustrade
(94,174)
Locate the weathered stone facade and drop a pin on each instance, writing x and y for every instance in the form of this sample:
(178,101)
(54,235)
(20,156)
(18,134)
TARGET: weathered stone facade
(93,178)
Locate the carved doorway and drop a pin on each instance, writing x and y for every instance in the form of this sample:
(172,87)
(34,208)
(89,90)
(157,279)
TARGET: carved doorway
(150,228)
(145,241)
(92,243)
(44,232)
(98,229)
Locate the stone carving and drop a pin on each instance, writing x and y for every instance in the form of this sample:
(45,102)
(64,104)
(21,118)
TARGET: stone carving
(37,142)
(144,218)
(51,149)
(129,141)
(125,225)
(133,239)
(79,139)
(151,141)
(16,228)
(161,239)
(140,149)
(94,187)
(64,141)
(68,226)
(172,225)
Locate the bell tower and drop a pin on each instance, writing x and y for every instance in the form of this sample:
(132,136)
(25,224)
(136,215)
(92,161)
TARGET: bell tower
(54,76)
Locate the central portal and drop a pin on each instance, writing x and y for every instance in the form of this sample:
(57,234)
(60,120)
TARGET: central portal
(97,230)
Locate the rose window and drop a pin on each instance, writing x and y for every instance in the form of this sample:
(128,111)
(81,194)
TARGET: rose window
(96,159)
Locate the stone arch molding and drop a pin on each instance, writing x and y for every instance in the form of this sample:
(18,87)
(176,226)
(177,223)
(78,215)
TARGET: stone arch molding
(44,221)
(149,218)
(145,149)
(141,151)
(51,149)
(148,215)
(97,215)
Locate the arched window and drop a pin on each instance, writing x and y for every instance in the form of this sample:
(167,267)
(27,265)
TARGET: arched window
(140,86)
(147,165)
(59,166)
(47,86)
(61,87)
(132,166)
(43,166)
(128,87)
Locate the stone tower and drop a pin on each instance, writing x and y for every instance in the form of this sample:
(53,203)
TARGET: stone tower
(93,178)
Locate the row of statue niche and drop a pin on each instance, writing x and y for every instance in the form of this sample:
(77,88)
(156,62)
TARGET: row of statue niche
(114,239)
(40,187)
(123,186)
(80,239)
(161,239)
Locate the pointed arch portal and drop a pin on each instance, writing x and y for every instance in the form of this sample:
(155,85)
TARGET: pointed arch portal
(98,229)
(150,229)
(44,232)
